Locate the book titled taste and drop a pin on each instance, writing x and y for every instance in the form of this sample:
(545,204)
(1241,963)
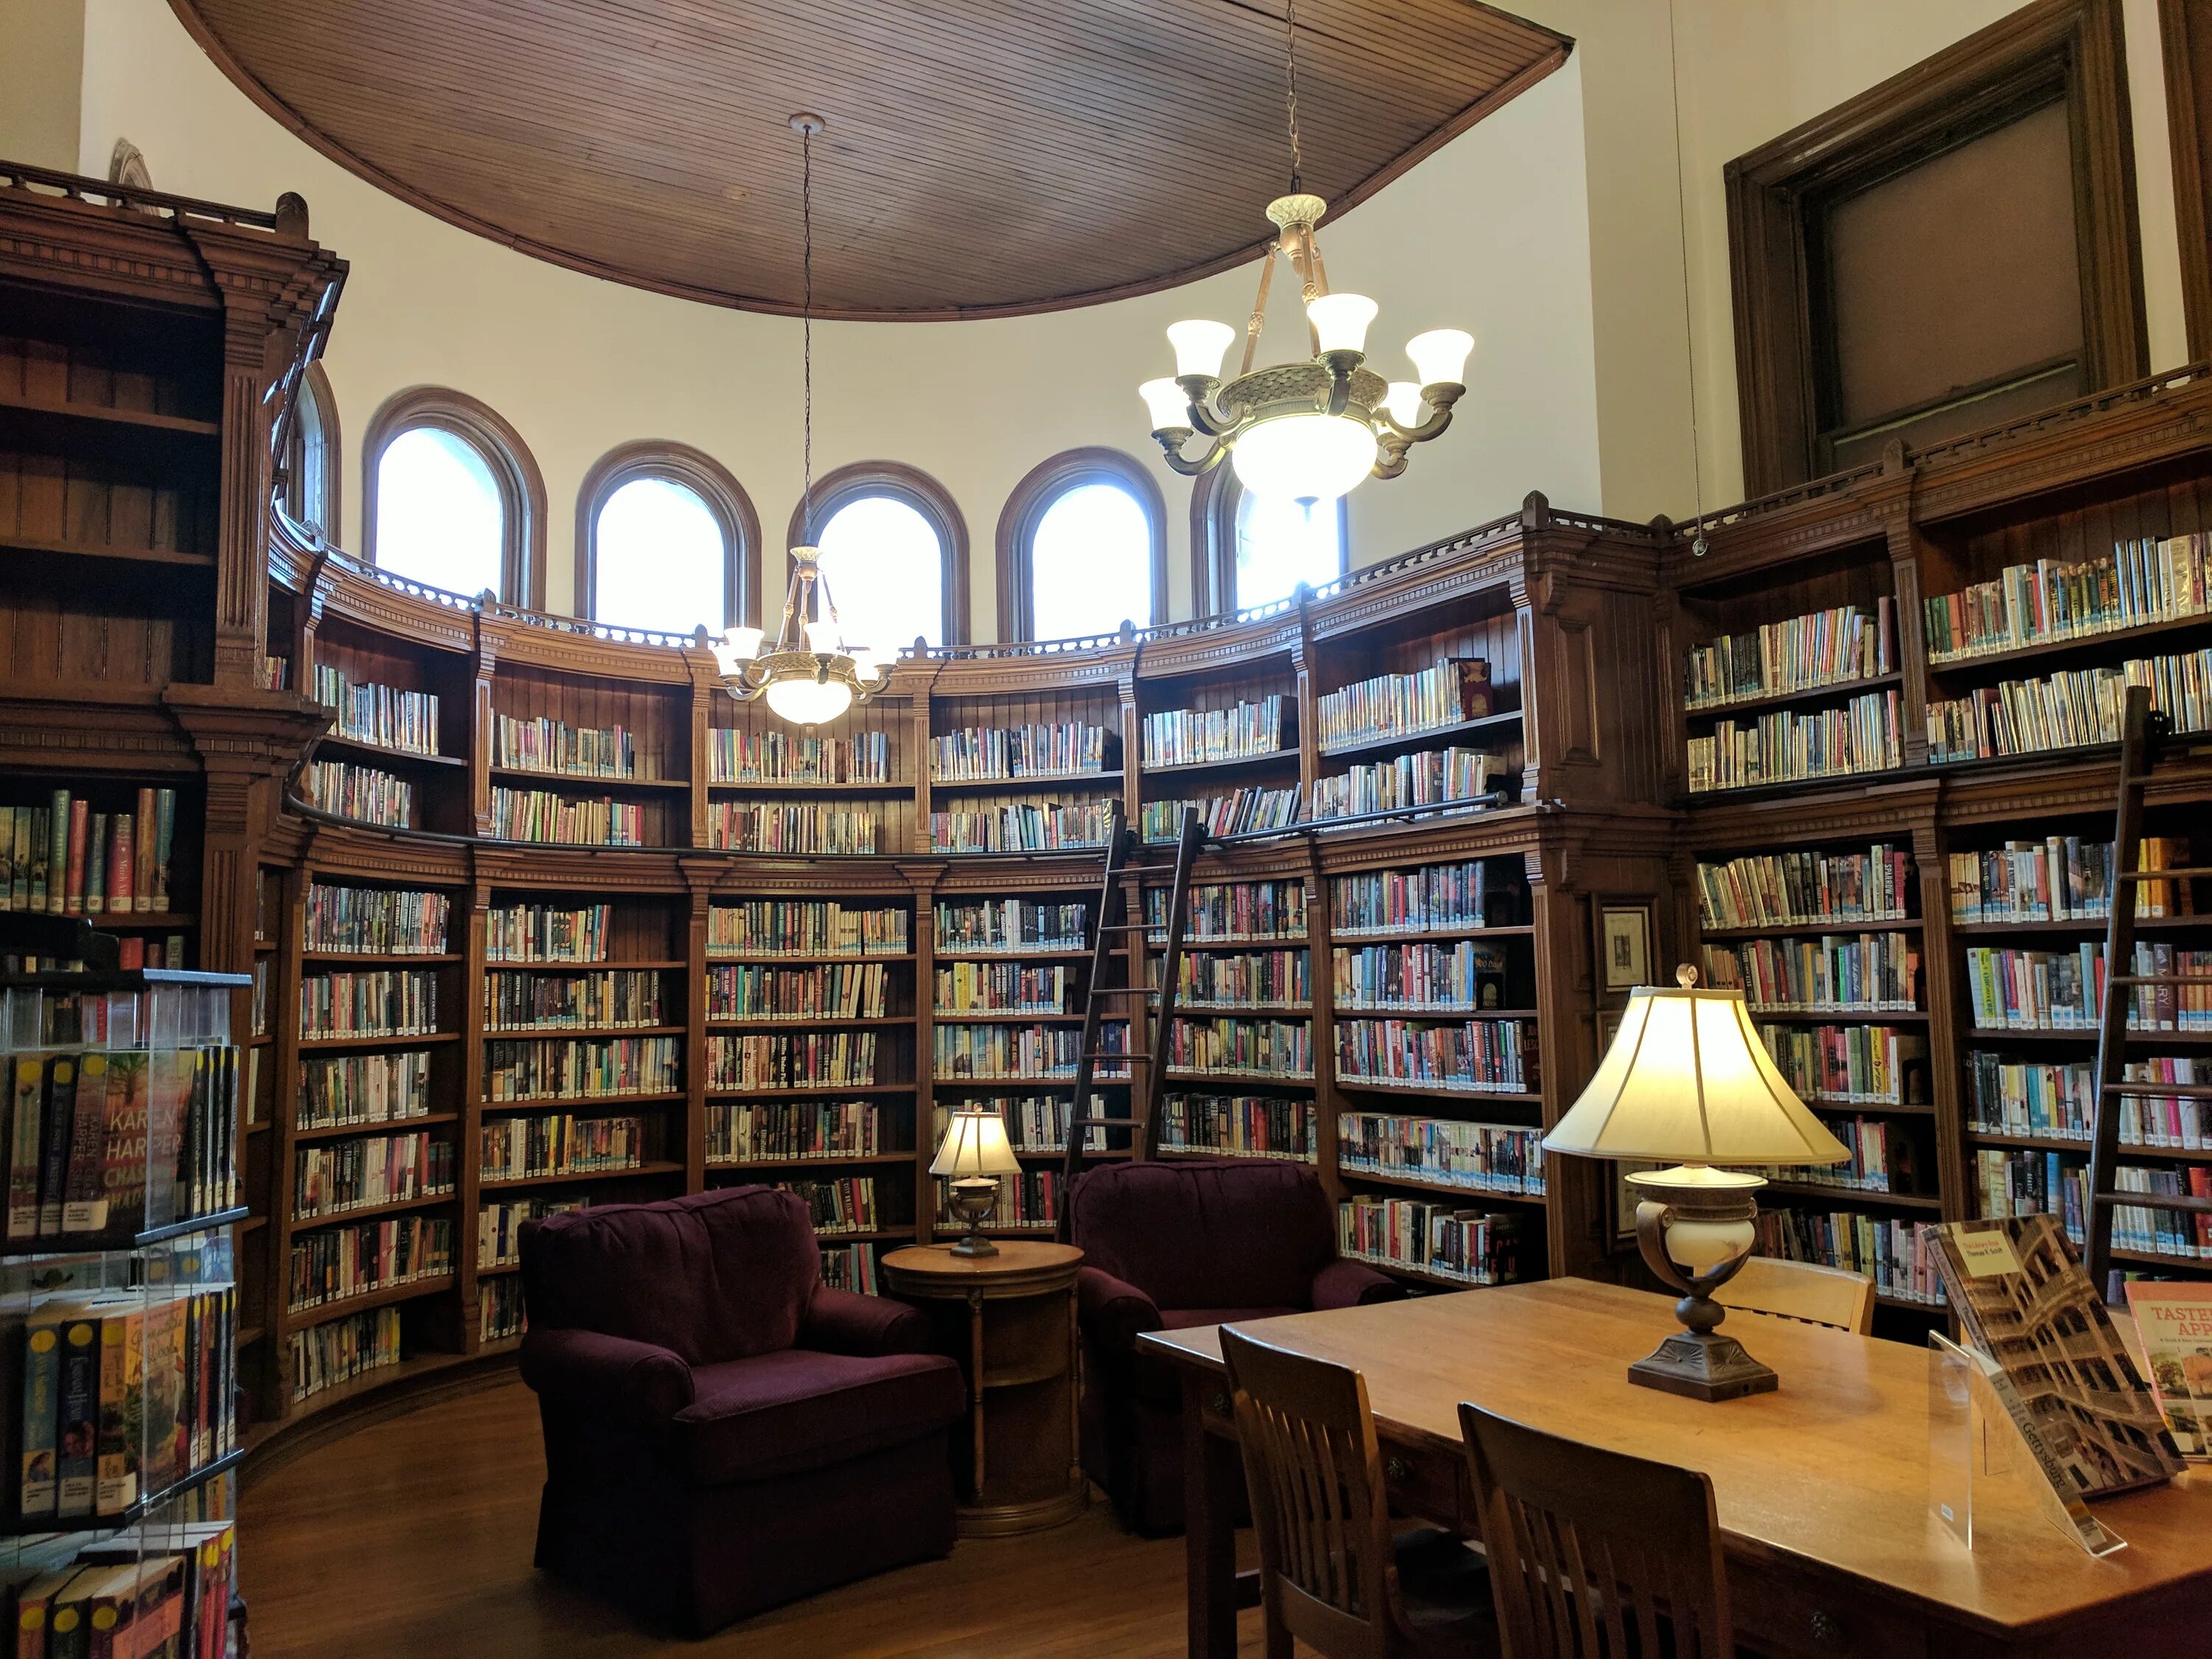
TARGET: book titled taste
(2176,1323)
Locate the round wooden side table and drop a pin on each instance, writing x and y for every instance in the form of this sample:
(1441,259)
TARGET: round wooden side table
(1012,1317)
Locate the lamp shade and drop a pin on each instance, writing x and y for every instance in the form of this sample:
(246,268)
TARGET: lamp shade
(1439,357)
(737,648)
(1340,321)
(975,1144)
(1165,402)
(1689,1081)
(1199,344)
(807,699)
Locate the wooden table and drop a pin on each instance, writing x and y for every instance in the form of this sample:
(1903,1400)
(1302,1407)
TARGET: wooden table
(1821,1487)
(1011,1318)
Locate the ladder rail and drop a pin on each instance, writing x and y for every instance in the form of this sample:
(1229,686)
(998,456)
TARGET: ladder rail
(1188,843)
(1104,928)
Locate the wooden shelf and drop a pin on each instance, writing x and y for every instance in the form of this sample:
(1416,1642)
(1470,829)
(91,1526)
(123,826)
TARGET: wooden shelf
(2080,1148)
(106,550)
(396,1126)
(382,959)
(510,1183)
(371,1212)
(587,1105)
(720,958)
(1294,1010)
(1356,1011)
(1841,1016)
(1422,1275)
(1237,763)
(2159,1259)
(2118,641)
(1867,1108)
(507,1033)
(585,782)
(753,787)
(1415,1184)
(1421,739)
(409,1289)
(2148,1040)
(984,953)
(98,416)
(1434,1090)
(2087,928)
(1849,1195)
(379,1041)
(388,756)
(1416,935)
(1768,930)
(776,1092)
(510,965)
(1839,690)
(1082,782)
(792,1023)
(996,1018)
(152,920)
(1301,1081)
(724,1166)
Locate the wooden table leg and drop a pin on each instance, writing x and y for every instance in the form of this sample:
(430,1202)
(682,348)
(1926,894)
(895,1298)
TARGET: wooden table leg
(1211,1470)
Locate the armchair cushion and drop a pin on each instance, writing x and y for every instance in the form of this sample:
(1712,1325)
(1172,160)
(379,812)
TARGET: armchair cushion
(782,1414)
(840,1321)
(635,1382)
(1206,1233)
(1185,1319)
(1113,1312)
(1343,1284)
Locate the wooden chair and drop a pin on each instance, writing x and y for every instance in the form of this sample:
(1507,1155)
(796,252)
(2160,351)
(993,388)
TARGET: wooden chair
(1593,1553)
(1331,1575)
(1803,1291)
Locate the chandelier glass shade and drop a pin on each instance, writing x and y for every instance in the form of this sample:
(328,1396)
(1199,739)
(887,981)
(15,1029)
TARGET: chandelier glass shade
(810,674)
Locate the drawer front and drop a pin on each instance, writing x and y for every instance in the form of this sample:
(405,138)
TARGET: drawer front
(1802,1614)
(1432,1483)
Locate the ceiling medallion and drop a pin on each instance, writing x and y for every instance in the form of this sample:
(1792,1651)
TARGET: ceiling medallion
(1306,432)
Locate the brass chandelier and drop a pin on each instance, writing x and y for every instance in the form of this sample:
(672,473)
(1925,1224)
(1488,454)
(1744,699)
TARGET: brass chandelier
(1302,431)
(811,673)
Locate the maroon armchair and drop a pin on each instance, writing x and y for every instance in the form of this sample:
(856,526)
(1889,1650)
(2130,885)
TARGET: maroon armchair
(723,1432)
(1171,1245)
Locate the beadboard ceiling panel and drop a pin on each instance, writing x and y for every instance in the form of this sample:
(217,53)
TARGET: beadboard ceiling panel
(983,156)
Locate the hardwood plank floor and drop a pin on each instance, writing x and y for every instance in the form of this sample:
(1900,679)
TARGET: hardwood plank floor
(412,1537)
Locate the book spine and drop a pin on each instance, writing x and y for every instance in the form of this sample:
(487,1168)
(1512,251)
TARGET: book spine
(122,1399)
(142,835)
(165,829)
(84,1209)
(70,858)
(25,1116)
(56,1137)
(58,850)
(78,1428)
(42,1382)
(91,847)
(19,879)
(121,867)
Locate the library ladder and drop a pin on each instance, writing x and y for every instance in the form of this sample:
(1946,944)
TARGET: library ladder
(2141,729)
(1100,998)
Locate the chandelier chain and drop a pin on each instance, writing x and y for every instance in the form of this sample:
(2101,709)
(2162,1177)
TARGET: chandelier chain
(1291,88)
(807,326)
(1698,543)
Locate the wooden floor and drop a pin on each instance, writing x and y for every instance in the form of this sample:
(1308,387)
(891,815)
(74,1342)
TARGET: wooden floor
(411,1538)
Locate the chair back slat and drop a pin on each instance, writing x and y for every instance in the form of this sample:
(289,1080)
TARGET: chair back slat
(1593,1554)
(1805,1291)
(1314,1470)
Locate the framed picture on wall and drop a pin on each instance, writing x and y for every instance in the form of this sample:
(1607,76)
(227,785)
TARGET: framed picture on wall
(1626,1197)
(1625,932)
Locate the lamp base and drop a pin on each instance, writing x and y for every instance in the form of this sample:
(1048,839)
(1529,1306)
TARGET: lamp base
(974,1245)
(1703,1365)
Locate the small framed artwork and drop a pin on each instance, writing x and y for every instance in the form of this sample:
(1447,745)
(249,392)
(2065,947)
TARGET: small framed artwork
(1625,929)
(1626,1197)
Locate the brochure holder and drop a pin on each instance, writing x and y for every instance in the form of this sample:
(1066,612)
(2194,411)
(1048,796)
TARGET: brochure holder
(1973,1438)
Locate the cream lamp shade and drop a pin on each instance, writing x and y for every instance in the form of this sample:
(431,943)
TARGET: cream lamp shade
(974,1144)
(1689,1081)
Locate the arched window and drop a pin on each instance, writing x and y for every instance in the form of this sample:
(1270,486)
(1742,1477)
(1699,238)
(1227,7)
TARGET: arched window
(665,540)
(895,551)
(454,499)
(1248,551)
(1082,548)
(309,475)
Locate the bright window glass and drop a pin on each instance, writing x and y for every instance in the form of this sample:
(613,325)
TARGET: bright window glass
(886,566)
(1280,544)
(440,520)
(1091,564)
(658,560)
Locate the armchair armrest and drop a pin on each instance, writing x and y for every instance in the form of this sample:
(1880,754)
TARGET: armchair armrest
(841,1322)
(635,1382)
(1113,1312)
(1343,1284)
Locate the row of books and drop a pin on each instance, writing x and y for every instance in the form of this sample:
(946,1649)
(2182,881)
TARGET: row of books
(1432,777)
(1839,972)
(560,1143)
(1034,1123)
(775,755)
(65,857)
(2068,708)
(500,1310)
(1462,977)
(545,744)
(1011,924)
(798,1060)
(1002,987)
(2065,990)
(2063,878)
(384,1087)
(804,927)
(1242,1048)
(1196,736)
(1802,654)
(499,1226)
(841,990)
(748,1131)
(1451,690)
(1232,912)
(1241,1125)
(1486,1056)
(977,754)
(117,1395)
(548,1068)
(1017,1051)
(850,1267)
(2143,579)
(1492,1158)
(1885,1157)
(333,1263)
(384,715)
(1240,813)
(1018,826)
(1419,1235)
(845,1205)
(355,1002)
(1811,888)
(790,827)
(1432,898)
(331,1177)
(163,1590)
(103,1143)
(1851,1065)
(1204,977)
(1866,734)
(609,996)
(540,815)
(547,932)
(2011,1182)
(366,793)
(2059,1102)
(1899,1256)
(374,921)
(340,1350)
(1029,1202)
(139,951)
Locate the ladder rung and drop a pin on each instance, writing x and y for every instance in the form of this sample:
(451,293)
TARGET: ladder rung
(1125,927)
(2159,979)
(2166,875)
(1113,1054)
(2137,1087)
(1104,1123)
(2157,1201)
(1124,991)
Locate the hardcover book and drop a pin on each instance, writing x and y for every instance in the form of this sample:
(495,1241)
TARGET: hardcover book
(2176,1323)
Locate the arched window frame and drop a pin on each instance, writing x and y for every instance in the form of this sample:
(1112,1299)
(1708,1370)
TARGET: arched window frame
(320,514)
(867,480)
(1035,496)
(1214,502)
(513,469)
(705,477)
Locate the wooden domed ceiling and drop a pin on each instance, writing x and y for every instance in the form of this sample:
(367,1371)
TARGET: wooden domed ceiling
(983,156)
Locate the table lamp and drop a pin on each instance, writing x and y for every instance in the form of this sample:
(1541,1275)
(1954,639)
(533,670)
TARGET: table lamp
(974,1154)
(1688,1082)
